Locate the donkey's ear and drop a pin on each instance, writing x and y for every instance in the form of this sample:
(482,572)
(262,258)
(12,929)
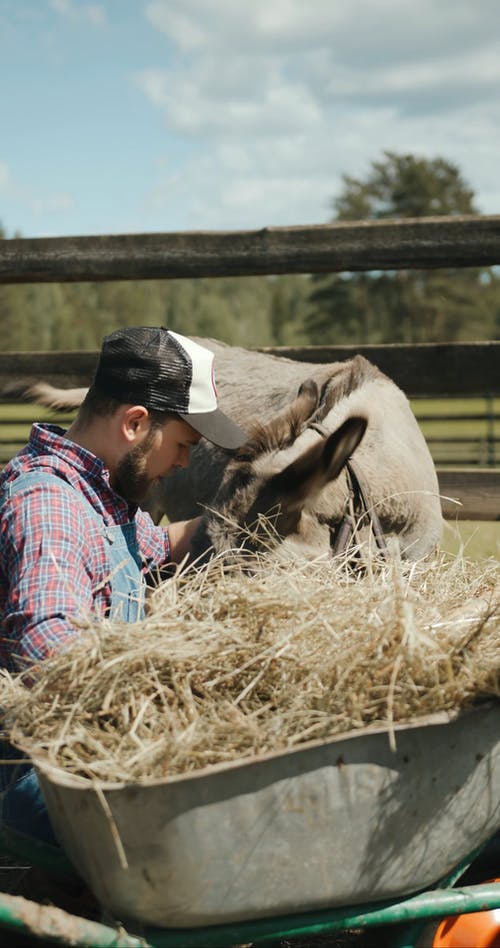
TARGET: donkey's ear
(305,477)
(341,444)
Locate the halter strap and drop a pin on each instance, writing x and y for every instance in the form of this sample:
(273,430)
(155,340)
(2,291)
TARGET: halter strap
(356,509)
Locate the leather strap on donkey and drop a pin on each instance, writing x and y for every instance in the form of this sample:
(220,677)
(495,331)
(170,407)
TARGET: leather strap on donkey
(357,511)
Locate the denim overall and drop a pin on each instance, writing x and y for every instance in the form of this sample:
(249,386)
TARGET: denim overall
(22,807)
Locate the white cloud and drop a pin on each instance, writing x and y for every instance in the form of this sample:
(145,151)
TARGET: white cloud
(294,178)
(282,97)
(197,25)
(63,7)
(195,105)
(360,30)
(96,14)
(225,50)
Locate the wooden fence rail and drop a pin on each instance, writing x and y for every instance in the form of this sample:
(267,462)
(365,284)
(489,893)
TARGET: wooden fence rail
(467,241)
(426,370)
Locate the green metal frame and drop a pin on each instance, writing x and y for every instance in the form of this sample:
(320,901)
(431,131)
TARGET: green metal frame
(408,915)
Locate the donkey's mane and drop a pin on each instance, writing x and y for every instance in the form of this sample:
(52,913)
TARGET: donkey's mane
(351,375)
(284,428)
(288,425)
(278,434)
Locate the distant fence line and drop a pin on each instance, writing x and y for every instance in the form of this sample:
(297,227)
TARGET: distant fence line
(422,370)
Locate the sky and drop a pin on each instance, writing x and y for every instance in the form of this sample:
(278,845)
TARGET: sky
(129,116)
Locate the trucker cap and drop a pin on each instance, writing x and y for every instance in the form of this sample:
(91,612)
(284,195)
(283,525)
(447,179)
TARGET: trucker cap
(164,371)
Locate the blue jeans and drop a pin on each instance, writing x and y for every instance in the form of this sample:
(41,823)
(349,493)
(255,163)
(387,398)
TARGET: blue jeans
(23,808)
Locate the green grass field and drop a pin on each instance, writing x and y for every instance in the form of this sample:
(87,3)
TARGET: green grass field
(15,424)
(15,421)
(478,539)
(483,447)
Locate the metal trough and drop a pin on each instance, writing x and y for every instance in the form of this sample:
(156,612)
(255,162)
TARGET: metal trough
(328,824)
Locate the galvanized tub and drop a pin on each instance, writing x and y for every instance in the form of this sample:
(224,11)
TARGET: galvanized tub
(327,824)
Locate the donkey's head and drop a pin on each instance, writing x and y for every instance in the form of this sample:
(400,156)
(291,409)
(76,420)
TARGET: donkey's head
(275,477)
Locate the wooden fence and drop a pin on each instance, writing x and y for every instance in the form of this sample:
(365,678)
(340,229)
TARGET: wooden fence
(446,369)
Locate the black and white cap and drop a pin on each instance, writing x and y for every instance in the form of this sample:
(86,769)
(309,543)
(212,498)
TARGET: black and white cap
(164,371)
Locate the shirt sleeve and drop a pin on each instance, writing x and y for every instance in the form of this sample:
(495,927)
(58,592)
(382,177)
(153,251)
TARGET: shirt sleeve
(48,570)
(153,542)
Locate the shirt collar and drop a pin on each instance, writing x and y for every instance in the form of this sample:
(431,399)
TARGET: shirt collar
(45,436)
(52,436)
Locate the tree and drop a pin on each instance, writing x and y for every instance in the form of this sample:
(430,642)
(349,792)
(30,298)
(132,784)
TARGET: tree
(287,306)
(405,186)
(404,305)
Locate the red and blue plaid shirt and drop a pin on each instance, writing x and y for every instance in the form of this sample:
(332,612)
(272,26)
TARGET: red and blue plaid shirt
(53,561)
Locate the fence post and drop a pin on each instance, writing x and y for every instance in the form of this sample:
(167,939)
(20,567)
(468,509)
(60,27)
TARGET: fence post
(490,429)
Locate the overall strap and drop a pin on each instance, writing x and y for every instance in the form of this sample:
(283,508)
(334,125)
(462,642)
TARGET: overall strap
(123,556)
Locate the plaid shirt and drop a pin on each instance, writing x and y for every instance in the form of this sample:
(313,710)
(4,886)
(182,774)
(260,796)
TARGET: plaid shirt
(53,561)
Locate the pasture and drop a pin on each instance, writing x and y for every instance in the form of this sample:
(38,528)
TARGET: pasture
(15,424)
(461,430)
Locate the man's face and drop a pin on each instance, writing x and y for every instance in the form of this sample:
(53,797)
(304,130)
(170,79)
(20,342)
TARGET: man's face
(162,450)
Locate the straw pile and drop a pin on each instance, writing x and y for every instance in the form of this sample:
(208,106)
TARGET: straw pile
(228,665)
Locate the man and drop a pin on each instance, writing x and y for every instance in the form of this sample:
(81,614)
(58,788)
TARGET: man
(72,537)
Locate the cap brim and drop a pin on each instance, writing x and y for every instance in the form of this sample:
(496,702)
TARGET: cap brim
(217,428)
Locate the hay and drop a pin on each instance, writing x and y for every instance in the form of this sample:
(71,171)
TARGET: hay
(229,665)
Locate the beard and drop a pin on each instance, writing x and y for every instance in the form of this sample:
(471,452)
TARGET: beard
(131,480)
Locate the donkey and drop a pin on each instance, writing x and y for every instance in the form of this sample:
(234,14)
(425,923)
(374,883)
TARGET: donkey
(349,454)
(392,460)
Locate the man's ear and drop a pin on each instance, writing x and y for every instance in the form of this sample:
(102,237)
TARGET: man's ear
(135,422)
